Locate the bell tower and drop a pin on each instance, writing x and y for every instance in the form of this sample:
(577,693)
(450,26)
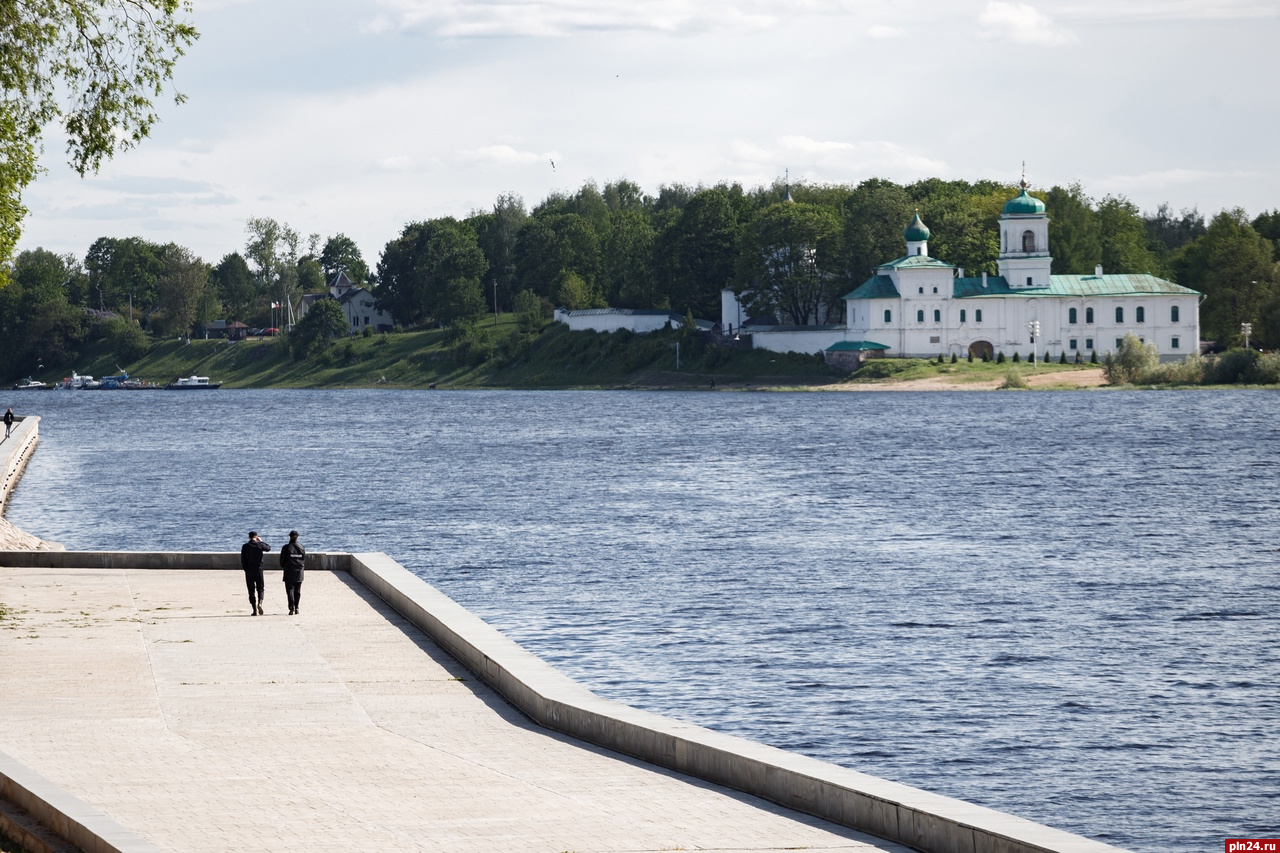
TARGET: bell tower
(1024,241)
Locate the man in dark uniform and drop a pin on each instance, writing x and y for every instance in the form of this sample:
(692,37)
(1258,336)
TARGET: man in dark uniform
(251,561)
(293,559)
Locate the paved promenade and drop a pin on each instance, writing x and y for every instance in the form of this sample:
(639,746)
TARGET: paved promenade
(154,696)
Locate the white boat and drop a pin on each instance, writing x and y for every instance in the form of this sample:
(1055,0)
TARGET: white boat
(192,383)
(30,384)
(74,382)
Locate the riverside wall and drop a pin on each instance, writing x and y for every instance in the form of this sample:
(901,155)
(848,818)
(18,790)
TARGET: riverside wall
(928,822)
(15,451)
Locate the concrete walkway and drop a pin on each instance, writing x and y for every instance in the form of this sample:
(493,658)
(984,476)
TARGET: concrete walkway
(156,698)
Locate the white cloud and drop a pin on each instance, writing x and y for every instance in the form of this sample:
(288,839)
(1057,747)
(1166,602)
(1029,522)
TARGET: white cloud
(1172,10)
(884,32)
(1021,24)
(396,163)
(475,18)
(505,154)
(828,160)
(1168,178)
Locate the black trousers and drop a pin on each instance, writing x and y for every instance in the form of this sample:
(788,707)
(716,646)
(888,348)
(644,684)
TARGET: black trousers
(253,580)
(293,591)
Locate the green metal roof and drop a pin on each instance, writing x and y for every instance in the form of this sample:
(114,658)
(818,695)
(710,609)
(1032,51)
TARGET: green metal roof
(916,262)
(1072,285)
(876,287)
(1023,204)
(855,346)
(917,230)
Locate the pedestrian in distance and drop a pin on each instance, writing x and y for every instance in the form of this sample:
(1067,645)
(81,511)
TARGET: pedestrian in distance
(251,561)
(8,422)
(293,559)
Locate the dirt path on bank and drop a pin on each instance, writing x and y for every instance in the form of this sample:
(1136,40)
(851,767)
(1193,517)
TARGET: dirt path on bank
(1091,378)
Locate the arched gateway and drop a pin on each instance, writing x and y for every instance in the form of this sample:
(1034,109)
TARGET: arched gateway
(982,349)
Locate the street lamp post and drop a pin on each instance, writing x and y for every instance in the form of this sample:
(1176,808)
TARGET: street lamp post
(1246,329)
(1034,328)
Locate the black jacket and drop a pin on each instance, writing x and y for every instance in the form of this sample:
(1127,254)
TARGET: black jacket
(293,559)
(251,554)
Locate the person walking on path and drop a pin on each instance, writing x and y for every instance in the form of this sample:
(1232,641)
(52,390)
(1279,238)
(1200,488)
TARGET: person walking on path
(293,559)
(8,422)
(251,561)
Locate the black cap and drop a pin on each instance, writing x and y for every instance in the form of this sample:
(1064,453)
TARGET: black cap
(252,533)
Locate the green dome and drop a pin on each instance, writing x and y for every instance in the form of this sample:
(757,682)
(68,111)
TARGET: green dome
(1023,204)
(916,232)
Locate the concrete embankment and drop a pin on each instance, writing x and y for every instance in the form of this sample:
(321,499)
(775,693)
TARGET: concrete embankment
(888,810)
(15,451)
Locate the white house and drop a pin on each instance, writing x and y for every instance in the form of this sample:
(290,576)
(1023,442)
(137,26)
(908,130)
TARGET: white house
(921,307)
(357,304)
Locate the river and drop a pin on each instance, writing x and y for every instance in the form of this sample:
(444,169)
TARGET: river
(1059,605)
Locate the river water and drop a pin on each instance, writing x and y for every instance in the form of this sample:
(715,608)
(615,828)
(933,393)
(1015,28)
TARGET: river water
(1059,605)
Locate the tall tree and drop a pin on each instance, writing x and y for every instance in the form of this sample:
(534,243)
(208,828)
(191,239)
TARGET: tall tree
(37,324)
(182,290)
(549,245)
(123,274)
(272,253)
(432,270)
(1232,265)
(1122,234)
(1073,232)
(341,254)
(790,259)
(873,217)
(93,66)
(628,262)
(235,287)
(497,232)
(705,244)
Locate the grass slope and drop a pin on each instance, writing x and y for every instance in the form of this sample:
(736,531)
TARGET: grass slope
(500,355)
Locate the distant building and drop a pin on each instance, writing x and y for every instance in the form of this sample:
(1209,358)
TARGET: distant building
(640,321)
(921,307)
(357,304)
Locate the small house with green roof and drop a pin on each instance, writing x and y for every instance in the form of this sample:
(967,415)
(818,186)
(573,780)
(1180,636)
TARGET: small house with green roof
(919,306)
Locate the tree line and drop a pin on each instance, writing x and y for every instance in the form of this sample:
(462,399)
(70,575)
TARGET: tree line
(791,251)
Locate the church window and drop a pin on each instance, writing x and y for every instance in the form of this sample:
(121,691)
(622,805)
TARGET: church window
(1173,343)
(1140,314)
(1028,241)
(937,316)
(1119,342)
(935,290)
(1072,316)
(1173,315)
(920,289)
(1088,343)
(920,316)
(1088,317)
(961,315)
(1072,343)
(888,316)
(919,250)
(977,315)
(1029,282)
(1119,313)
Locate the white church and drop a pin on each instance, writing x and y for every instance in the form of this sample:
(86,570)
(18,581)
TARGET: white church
(921,307)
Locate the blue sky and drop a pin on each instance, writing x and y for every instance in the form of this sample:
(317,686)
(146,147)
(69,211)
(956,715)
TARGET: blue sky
(360,116)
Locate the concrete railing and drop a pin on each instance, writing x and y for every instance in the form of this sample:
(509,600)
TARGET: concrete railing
(925,821)
(15,451)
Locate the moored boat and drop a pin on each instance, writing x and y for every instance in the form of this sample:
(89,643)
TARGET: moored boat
(30,384)
(192,383)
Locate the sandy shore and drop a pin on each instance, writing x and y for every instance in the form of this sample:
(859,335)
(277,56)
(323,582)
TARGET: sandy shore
(1092,378)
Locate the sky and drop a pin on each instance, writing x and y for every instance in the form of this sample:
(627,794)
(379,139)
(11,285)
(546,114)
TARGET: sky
(360,116)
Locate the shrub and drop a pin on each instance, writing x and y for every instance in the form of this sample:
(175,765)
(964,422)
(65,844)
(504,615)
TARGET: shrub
(1016,358)
(1000,358)
(368,332)
(1014,379)
(970,357)
(1268,369)
(953,358)
(1233,367)
(1131,360)
(1063,358)
(1189,371)
(1093,357)
(127,341)
(1079,357)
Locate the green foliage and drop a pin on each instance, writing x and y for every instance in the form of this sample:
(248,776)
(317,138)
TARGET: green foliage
(1093,357)
(1123,238)
(93,66)
(1073,236)
(1232,265)
(126,340)
(572,291)
(341,254)
(1000,357)
(323,322)
(1014,380)
(1193,370)
(432,270)
(1062,359)
(528,309)
(1130,362)
(1016,358)
(181,287)
(791,251)
(234,287)
(969,357)
(953,358)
